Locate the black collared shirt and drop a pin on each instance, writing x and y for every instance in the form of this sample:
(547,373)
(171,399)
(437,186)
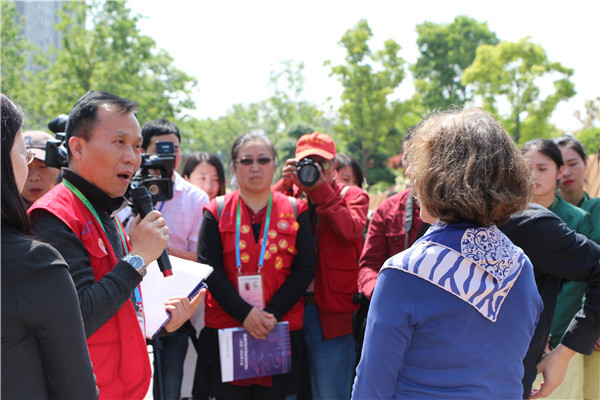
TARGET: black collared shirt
(99,300)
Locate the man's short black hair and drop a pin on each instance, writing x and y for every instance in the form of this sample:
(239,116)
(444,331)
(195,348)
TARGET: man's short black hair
(158,127)
(83,114)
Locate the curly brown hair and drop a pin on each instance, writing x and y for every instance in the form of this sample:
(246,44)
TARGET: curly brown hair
(465,166)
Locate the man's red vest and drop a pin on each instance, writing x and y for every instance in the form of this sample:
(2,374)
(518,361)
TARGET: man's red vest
(279,254)
(118,349)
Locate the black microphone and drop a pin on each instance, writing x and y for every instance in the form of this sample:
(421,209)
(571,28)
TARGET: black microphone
(143,204)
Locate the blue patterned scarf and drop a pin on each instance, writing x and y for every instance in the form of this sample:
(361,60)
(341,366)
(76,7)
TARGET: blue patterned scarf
(478,265)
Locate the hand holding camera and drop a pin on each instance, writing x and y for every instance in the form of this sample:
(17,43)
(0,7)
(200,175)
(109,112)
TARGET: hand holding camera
(305,173)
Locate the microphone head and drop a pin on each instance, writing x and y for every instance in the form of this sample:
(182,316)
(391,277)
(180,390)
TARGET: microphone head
(140,193)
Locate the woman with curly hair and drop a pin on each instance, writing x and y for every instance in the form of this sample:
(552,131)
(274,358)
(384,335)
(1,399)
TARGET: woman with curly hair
(452,316)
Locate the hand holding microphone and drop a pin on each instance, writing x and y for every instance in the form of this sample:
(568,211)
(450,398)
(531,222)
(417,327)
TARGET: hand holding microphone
(149,237)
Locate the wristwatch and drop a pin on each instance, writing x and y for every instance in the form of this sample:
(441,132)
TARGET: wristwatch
(136,262)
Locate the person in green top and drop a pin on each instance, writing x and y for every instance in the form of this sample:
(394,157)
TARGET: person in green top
(547,166)
(573,178)
(571,190)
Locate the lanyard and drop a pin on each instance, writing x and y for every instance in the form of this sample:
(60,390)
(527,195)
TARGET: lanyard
(86,202)
(89,206)
(238,222)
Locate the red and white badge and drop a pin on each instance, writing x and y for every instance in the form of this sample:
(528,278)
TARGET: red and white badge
(251,290)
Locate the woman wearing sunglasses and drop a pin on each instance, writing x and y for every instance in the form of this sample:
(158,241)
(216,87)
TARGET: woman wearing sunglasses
(260,245)
(44,353)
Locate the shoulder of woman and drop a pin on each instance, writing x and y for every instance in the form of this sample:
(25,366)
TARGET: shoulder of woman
(26,257)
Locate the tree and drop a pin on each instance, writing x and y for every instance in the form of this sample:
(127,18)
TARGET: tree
(368,79)
(589,136)
(446,50)
(22,85)
(590,139)
(102,49)
(215,135)
(512,71)
(591,116)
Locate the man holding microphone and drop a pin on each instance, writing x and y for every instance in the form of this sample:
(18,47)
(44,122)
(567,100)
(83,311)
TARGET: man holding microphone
(104,146)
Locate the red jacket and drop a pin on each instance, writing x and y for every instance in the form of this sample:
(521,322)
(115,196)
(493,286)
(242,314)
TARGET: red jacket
(118,349)
(279,255)
(386,236)
(339,227)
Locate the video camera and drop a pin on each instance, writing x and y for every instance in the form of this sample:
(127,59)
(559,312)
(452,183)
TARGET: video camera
(155,172)
(56,151)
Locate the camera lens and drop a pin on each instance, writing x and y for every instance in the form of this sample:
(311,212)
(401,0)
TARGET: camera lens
(308,173)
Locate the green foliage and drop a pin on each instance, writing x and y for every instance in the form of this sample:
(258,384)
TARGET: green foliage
(591,114)
(368,78)
(382,174)
(102,49)
(590,139)
(14,52)
(285,111)
(213,135)
(379,187)
(446,50)
(406,113)
(25,87)
(511,72)
(299,129)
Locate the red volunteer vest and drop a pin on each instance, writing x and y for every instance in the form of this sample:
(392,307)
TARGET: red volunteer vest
(118,349)
(279,254)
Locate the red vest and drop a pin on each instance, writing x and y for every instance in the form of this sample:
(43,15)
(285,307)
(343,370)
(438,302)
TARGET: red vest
(279,254)
(118,349)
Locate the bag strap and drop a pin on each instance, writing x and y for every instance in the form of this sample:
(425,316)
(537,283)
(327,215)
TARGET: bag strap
(293,203)
(220,206)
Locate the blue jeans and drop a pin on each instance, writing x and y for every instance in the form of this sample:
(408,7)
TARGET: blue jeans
(331,361)
(171,351)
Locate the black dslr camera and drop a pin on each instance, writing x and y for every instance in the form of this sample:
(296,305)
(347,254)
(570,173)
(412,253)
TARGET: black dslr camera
(56,151)
(155,172)
(308,172)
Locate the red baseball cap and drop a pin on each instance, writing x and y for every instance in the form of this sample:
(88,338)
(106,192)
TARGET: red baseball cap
(315,144)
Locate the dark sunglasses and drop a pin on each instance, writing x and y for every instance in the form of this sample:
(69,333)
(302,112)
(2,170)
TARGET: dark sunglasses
(249,161)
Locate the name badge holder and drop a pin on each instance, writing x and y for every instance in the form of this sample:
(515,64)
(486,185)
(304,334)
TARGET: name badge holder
(250,286)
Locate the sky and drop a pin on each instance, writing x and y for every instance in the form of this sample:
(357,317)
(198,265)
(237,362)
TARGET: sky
(231,47)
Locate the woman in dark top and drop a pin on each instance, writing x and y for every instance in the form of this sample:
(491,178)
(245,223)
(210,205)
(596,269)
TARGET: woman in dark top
(260,237)
(44,353)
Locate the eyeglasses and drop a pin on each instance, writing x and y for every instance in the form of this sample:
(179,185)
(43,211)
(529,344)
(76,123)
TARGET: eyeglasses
(249,161)
(29,156)
(325,165)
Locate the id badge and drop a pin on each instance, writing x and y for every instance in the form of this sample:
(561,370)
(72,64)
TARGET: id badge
(139,310)
(141,318)
(251,290)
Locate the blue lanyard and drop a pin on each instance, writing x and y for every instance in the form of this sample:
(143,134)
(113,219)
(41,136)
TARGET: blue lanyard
(238,222)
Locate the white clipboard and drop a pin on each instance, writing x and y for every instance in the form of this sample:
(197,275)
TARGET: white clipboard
(187,280)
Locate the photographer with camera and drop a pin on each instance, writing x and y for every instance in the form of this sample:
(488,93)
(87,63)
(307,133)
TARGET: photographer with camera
(76,217)
(338,214)
(183,215)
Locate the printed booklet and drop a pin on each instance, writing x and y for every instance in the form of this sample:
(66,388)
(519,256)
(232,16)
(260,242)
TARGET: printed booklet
(243,356)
